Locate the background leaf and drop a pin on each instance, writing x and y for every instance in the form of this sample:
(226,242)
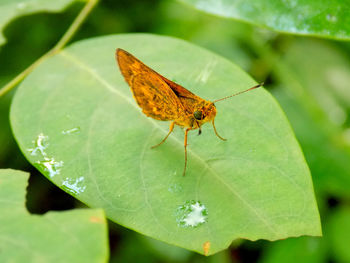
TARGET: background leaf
(318,18)
(338,231)
(87,135)
(72,236)
(303,249)
(316,101)
(10,9)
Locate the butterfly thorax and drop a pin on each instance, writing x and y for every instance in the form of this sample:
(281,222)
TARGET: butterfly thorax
(200,113)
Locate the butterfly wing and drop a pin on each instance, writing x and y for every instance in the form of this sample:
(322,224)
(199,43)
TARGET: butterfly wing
(151,92)
(129,66)
(155,97)
(187,98)
(179,90)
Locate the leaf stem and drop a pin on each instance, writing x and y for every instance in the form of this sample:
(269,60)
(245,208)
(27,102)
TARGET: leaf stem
(59,45)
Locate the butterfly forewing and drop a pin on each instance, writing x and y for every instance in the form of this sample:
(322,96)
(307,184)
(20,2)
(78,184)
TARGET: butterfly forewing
(150,91)
(131,66)
(155,97)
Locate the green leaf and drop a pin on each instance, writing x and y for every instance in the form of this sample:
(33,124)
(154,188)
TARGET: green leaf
(328,19)
(10,9)
(316,101)
(338,233)
(303,250)
(327,159)
(72,236)
(75,119)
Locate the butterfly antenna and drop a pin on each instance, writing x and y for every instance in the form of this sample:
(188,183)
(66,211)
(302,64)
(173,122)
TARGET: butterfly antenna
(255,87)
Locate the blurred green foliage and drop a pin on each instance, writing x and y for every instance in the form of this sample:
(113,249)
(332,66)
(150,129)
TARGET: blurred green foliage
(306,17)
(308,76)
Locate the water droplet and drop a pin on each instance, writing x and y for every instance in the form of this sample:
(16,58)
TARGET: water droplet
(48,163)
(70,131)
(191,214)
(40,144)
(175,188)
(74,186)
(51,166)
(331,18)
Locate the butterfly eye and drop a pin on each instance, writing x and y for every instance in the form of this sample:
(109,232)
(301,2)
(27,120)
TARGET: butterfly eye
(198,115)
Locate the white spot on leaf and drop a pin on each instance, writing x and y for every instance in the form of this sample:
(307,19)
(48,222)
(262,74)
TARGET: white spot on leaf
(40,144)
(70,131)
(191,214)
(206,72)
(48,163)
(175,188)
(51,166)
(75,186)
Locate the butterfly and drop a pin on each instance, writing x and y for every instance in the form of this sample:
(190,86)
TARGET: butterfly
(165,100)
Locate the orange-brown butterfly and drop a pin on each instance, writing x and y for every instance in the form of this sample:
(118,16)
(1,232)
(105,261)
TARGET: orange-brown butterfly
(163,99)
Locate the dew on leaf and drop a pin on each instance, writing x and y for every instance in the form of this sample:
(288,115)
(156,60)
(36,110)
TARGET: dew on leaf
(204,75)
(75,186)
(48,163)
(191,214)
(70,131)
(175,188)
(40,144)
(51,166)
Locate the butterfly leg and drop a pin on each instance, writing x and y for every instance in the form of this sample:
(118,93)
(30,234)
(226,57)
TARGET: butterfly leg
(185,145)
(217,132)
(171,128)
(199,127)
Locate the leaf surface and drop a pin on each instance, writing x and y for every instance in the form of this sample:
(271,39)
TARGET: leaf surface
(76,121)
(323,18)
(316,100)
(71,236)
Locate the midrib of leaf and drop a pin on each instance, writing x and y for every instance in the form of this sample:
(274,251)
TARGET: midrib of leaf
(65,54)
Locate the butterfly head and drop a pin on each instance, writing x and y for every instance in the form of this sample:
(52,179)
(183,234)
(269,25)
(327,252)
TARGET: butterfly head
(205,112)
